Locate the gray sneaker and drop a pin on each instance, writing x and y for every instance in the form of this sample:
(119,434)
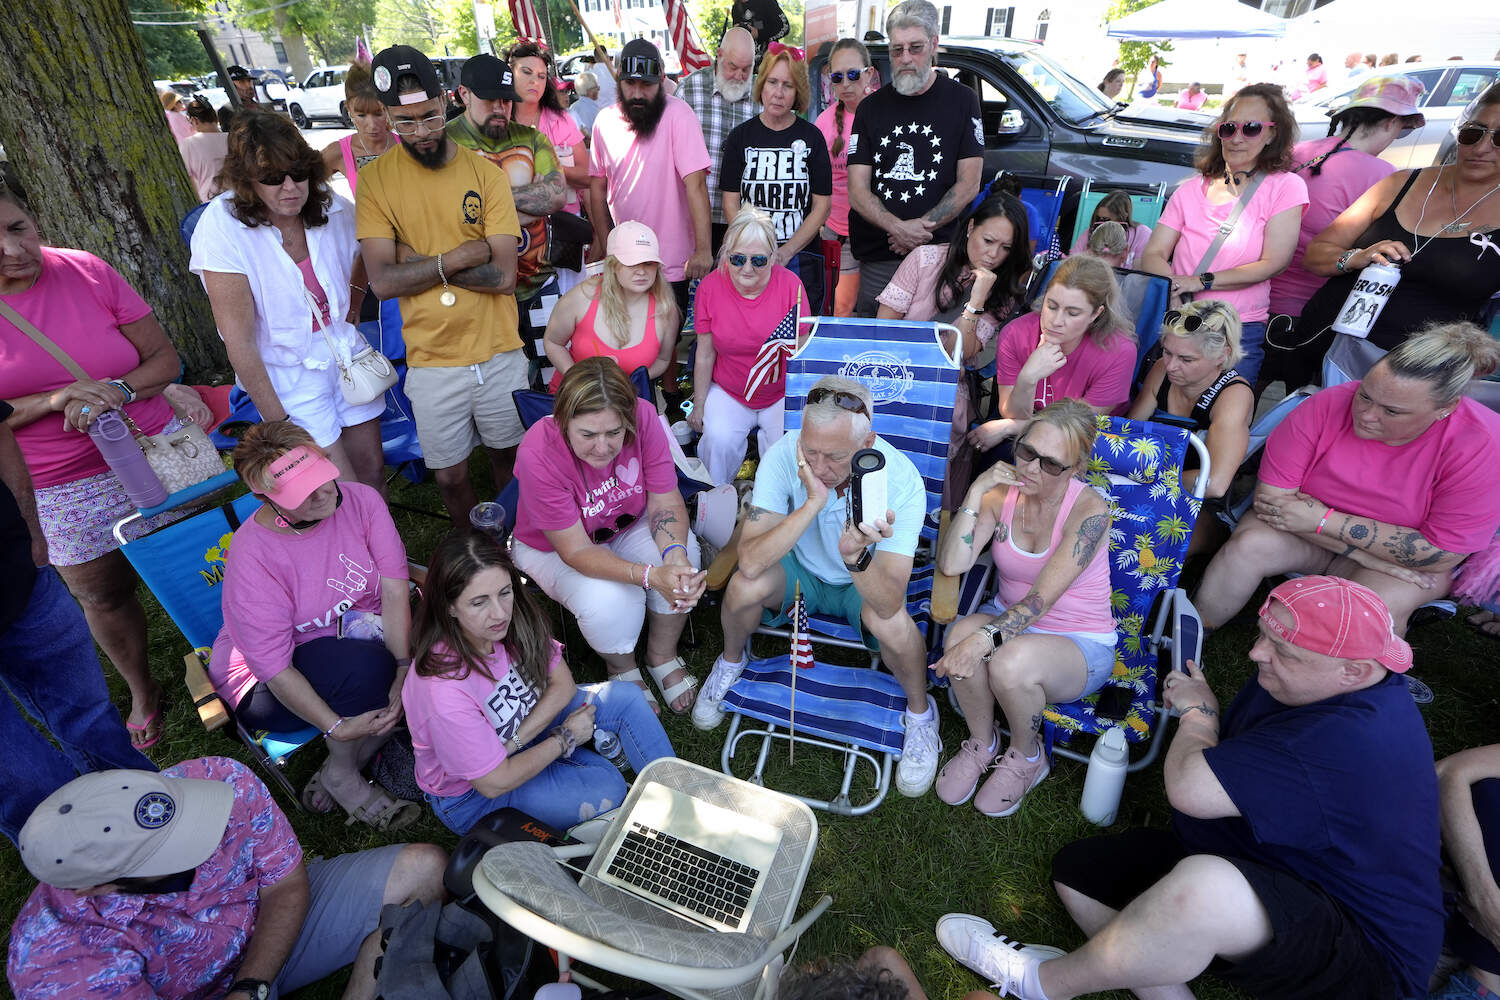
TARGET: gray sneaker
(708,710)
(919,755)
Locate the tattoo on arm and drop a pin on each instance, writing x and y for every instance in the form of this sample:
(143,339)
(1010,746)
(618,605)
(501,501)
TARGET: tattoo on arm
(1208,713)
(1093,528)
(1019,616)
(542,196)
(660,526)
(755,513)
(1357,532)
(948,207)
(967,539)
(1410,549)
(1347,549)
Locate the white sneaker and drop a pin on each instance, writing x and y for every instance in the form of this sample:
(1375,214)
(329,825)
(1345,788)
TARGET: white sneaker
(976,945)
(919,755)
(708,710)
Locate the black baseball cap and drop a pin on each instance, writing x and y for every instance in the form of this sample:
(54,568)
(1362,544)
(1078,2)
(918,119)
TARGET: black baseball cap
(488,78)
(640,61)
(238,73)
(399,60)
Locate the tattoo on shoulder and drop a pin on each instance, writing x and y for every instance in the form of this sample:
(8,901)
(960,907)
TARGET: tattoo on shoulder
(1093,528)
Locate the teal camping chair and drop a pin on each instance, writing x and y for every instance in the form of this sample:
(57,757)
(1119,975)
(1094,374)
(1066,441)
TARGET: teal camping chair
(1145,208)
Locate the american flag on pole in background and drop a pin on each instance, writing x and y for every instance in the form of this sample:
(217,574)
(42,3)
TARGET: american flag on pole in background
(362,51)
(619,18)
(528,25)
(770,360)
(685,37)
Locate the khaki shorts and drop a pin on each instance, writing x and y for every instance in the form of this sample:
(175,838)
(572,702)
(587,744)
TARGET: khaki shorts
(457,409)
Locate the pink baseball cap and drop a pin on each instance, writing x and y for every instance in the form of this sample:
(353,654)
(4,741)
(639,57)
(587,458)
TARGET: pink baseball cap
(295,475)
(1340,618)
(633,243)
(1396,94)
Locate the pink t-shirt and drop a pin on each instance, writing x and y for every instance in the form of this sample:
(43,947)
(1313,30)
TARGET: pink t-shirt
(1084,606)
(1445,484)
(838,214)
(557,489)
(459,725)
(563,132)
(912,290)
(740,326)
(1345,176)
(644,177)
(1197,222)
(1099,376)
(1135,243)
(283,590)
(80,303)
(1191,102)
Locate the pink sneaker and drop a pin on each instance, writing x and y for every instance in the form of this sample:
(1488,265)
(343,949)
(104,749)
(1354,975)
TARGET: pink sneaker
(1009,782)
(960,776)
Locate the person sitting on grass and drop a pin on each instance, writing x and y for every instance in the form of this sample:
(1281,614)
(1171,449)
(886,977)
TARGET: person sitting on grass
(797,533)
(1469,790)
(190,883)
(496,718)
(1390,481)
(1303,855)
(1047,634)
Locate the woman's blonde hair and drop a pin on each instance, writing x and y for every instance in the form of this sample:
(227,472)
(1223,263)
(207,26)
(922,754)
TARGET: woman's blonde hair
(798,70)
(1219,332)
(1076,421)
(592,386)
(263,444)
(1447,355)
(749,221)
(612,302)
(1108,238)
(1096,280)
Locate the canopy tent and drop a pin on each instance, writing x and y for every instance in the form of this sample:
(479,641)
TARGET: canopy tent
(1176,19)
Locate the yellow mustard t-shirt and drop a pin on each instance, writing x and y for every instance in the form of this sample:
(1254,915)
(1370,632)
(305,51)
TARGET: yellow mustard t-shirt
(433,211)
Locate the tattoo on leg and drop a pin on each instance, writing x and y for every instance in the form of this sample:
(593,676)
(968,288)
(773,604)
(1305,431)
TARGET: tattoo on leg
(1036,723)
(1093,528)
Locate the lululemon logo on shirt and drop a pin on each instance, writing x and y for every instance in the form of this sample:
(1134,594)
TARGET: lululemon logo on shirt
(906,161)
(472,206)
(775,180)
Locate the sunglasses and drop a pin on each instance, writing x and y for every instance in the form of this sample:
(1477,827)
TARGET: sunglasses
(850,75)
(640,67)
(1190,322)
(276,180)
(156,885)
(843,400)
(1251,129)
(1025,454)
(757,261)
(602,535)
(1470,135)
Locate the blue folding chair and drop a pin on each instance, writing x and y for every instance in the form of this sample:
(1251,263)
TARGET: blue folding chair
(183,565)
(856,711)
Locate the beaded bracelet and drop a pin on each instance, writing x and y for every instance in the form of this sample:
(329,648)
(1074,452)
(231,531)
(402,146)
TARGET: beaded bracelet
(645,576)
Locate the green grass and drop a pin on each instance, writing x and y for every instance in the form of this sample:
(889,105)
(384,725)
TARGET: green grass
(894,872)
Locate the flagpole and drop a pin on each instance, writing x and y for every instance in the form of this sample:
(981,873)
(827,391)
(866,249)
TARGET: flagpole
(791,719)
(592,41)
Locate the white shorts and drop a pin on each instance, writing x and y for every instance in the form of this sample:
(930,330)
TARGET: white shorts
(313,400)
(610,614)
(457,409)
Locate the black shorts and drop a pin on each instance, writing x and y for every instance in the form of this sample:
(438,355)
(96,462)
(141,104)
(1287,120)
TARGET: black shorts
(1316,950)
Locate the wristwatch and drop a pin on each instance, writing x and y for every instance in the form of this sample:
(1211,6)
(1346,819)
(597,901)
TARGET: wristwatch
(992,633)
(256,989)
(862,563)
(1207,277)
(124,387)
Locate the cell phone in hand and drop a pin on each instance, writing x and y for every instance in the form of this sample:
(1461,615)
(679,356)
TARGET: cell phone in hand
(867,494)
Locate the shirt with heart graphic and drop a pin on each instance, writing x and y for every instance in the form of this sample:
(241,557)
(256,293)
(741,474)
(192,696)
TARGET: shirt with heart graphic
(558,490)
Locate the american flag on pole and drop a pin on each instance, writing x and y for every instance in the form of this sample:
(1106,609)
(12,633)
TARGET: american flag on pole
(685,36)
(770,360)
(619,18)
(528,25)
(362,50)
(802,652)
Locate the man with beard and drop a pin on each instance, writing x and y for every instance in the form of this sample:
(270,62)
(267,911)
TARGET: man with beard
(916,151)
(438,229)
(720,96)
(648,164)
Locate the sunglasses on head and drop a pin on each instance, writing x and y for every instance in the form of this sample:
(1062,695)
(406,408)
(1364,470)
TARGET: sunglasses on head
(843,400)
(1025,453)
(1190,322)
(757,260)
(850,75)
(602,535)
(1470,135)
(276,179)
(1251,129)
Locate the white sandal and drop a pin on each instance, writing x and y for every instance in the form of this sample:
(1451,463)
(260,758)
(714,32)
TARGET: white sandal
(634,676)
(671,694)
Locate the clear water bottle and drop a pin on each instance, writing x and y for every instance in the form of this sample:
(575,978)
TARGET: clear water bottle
(607,745)
(489,517)
(1372,290)
(1106,778)
(115,442)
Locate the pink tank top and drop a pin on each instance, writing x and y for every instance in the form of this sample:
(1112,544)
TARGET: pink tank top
(352,163)
(1084,606)
(586,343)
(310,279)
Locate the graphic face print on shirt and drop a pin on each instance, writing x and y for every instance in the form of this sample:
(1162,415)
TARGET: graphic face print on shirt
(777,180)
(906,161)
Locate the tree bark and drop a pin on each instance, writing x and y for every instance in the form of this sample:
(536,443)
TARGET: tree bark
(84,130)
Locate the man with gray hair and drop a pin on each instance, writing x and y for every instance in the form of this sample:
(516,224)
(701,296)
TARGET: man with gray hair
(798,533)
(720,96)
(586,108)
(916,152)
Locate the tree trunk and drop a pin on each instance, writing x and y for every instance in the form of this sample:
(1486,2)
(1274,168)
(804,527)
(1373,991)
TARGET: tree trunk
(295,45)
(83,128)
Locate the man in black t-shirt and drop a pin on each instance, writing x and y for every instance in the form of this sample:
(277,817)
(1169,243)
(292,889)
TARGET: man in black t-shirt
(916,152)
(47,662)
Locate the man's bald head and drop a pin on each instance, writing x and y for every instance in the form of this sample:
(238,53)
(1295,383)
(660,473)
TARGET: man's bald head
(738,44)
(735,64)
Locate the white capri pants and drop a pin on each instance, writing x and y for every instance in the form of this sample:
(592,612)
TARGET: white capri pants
(726,424)
(610,613)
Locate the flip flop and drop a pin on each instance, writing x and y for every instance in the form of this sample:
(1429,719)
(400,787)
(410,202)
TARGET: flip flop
(661,672)
(146,742)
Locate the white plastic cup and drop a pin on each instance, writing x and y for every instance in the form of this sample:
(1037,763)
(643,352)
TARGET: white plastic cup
(683,432)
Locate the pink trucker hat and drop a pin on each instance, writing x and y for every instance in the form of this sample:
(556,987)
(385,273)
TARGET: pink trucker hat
(1338,617)
(633,243)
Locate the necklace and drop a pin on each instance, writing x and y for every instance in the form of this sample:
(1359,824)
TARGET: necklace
(1458,225)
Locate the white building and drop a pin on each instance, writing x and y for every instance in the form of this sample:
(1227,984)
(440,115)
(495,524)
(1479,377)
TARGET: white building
(615,22)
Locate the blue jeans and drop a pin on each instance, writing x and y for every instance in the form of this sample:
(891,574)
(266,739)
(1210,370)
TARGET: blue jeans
(47,661)
(573,789)
(1253,345)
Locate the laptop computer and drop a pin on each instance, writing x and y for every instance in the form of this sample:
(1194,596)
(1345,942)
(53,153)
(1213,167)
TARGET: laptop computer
(691,857)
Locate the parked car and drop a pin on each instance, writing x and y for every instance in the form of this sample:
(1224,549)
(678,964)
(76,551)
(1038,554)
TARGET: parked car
(270,86)
(448,69)
(320,98)
(184,88)
(1447,88)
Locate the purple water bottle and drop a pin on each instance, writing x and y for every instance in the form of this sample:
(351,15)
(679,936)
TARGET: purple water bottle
(115,442)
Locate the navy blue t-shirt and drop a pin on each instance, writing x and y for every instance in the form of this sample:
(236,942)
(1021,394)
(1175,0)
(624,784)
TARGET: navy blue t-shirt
(1342,794)
(16,569)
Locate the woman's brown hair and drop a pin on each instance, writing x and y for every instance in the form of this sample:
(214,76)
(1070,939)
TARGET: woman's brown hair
(453,567)
(592,386)
(263,444)
(1277,154)
(261,143)
(359,90)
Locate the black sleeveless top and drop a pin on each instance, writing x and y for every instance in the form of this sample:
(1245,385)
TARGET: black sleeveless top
(1449,279)
(1200,416)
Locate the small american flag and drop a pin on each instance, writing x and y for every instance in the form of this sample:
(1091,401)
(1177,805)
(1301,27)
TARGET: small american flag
(528,25)
(770,360)
(362,50)
(802,652)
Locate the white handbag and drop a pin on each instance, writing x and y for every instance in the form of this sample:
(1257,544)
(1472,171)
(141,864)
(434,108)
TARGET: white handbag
(367,375)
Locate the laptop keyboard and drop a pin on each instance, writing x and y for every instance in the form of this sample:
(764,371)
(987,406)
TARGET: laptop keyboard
(677,872)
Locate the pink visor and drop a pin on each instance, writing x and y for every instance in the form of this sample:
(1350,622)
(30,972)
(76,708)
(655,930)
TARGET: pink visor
(295,475)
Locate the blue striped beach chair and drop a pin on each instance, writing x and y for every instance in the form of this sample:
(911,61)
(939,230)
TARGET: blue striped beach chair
(853,710)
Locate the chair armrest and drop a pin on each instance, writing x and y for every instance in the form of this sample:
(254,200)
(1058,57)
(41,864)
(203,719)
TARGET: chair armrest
(212,711)
(725,563)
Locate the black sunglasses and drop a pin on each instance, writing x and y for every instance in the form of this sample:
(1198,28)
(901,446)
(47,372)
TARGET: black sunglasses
(1251,129)
(1026,453)
(602,535)
(640,67)
(850,75)
(843,400)
(757,260)
(156,885)
(1190,322)
(275,180)
(1470,135)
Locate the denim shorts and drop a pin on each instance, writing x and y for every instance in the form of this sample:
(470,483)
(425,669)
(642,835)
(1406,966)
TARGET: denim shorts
(1098,657)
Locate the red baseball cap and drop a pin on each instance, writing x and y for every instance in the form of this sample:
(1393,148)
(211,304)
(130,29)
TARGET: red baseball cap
(295,475)
(1338,617)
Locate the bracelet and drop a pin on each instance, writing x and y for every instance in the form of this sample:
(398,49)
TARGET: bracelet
(970,511)
(403,661)
(971,311)
(645,576)
(1342,264)
(328,734)
(674,545)
(1323,522)
(124,387)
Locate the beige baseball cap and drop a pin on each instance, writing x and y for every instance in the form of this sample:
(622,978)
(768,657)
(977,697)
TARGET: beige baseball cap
(633,243)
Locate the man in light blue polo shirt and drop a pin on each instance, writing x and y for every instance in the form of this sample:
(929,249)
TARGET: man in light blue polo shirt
(798,532)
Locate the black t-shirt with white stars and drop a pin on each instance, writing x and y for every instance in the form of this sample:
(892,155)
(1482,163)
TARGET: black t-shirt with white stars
(912,145)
